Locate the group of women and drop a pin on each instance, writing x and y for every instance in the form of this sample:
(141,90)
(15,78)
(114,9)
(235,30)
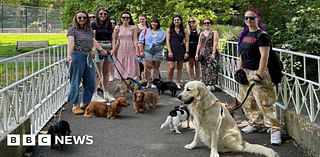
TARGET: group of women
(93,43)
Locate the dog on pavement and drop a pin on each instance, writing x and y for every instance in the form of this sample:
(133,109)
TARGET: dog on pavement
(60,129)
(214,125)
(101,109)
(129,84)
(139,100)
(152,99)
(163,86)
(179,114)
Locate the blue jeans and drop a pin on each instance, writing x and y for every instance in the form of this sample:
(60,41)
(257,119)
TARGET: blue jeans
(83,68)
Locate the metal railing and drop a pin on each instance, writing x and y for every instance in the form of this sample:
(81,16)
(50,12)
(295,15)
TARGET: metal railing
(29,19)
(36,91)
(300,86)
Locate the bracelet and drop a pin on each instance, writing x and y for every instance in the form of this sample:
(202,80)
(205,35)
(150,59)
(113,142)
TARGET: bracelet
(260,77)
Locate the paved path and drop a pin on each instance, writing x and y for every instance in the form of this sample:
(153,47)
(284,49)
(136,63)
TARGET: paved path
(138,135)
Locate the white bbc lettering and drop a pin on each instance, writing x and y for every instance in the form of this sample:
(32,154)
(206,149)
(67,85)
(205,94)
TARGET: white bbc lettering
(44,140)
(79,139)
(13,140)
(28,140)
(89,140)
(68,139)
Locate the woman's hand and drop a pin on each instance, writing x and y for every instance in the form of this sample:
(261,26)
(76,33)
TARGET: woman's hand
(196,57)
(69,59)
(186,55)
(170,54)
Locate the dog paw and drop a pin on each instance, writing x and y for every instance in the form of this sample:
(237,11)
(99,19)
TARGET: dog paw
(189,146)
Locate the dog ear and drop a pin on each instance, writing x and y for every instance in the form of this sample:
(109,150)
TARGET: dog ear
(134,96)
(200,90)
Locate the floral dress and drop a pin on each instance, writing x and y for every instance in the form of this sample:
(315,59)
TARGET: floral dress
(208,71)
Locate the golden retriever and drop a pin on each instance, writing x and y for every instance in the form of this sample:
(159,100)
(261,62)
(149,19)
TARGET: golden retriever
(214,125)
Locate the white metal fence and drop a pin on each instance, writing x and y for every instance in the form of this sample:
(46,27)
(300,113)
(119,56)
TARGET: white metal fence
(300,87)
(35,86)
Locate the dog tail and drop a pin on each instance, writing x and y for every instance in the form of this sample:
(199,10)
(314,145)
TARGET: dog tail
(259,149)
(167,122)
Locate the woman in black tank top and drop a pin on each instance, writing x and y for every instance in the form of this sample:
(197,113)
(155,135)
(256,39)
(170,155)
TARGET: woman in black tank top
(194,31)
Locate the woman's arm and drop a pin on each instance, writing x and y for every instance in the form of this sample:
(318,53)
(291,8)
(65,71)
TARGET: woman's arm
(186,41)
(135,40)
(97,45)
(215,43)
(264,53)
(70,48)
(170,54)
(198,46)
(115,37)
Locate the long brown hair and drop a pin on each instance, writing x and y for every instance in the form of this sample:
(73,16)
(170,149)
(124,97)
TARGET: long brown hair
(105,23)
(76,24)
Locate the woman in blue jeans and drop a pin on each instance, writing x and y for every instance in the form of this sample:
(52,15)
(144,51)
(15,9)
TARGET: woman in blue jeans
(81,48)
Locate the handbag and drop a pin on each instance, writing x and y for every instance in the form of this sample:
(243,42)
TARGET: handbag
(241,77)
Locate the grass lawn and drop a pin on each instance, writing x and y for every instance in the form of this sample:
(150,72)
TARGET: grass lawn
(8,41)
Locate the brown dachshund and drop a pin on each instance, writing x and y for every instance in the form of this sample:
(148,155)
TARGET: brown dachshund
(152,99)
(103,110)
(139,100)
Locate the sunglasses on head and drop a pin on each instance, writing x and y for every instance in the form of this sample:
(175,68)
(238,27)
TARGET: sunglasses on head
(250,17)
(82,17)
(103,13)
(207,23)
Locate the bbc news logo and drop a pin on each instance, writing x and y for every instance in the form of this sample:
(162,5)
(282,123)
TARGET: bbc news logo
(45,140)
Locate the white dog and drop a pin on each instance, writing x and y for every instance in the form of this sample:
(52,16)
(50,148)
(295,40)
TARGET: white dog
(179,114)
(214,125)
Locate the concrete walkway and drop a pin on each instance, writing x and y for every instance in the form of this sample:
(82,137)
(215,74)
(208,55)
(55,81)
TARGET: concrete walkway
(139,135)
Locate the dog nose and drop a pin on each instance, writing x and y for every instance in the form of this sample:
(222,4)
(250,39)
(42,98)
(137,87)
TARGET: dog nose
(179,97)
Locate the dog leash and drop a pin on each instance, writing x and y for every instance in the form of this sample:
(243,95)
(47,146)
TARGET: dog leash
(122,78)
(247,95)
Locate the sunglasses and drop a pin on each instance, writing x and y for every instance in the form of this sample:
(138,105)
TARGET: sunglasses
(103,14)
(207,23)
(192,21)
(92,17)
(124,17)
(82,17)
(250,17)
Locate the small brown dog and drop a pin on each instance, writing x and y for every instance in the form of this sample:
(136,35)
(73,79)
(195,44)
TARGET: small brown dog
(103,110)
(152,99)
(139,100)
(131,84)
(116,107)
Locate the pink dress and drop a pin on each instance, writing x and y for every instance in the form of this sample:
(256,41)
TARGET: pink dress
(126,54)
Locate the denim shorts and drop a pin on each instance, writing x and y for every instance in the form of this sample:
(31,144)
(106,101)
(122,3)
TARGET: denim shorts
(152,56)
(100,58)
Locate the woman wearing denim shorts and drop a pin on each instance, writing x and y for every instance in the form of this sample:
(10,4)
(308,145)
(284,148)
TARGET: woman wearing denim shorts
(151,42)
(102,29)
(81,45)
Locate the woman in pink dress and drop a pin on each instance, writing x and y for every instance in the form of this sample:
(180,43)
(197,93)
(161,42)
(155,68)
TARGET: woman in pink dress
(126,48)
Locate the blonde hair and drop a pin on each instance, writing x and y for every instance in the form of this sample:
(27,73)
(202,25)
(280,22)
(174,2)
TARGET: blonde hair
(197,25)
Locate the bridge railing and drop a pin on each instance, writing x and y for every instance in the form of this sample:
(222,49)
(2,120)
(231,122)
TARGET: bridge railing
(35,86)
(300,86)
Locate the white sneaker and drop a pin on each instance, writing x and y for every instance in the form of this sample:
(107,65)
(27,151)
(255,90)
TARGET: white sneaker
(275,138)
(108,96)
(178,85)
(249,129)
(110,78)
(153,86)
(96,97)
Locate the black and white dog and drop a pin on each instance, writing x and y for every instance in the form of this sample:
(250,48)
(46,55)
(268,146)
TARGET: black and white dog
(179,114)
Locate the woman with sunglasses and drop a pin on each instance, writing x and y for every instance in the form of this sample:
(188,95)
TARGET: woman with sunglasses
(151,42)
(125,43)
(102,30)
(193,30)
(80,53)
(254,54)
(207,54)
(178,47)
(92,17)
